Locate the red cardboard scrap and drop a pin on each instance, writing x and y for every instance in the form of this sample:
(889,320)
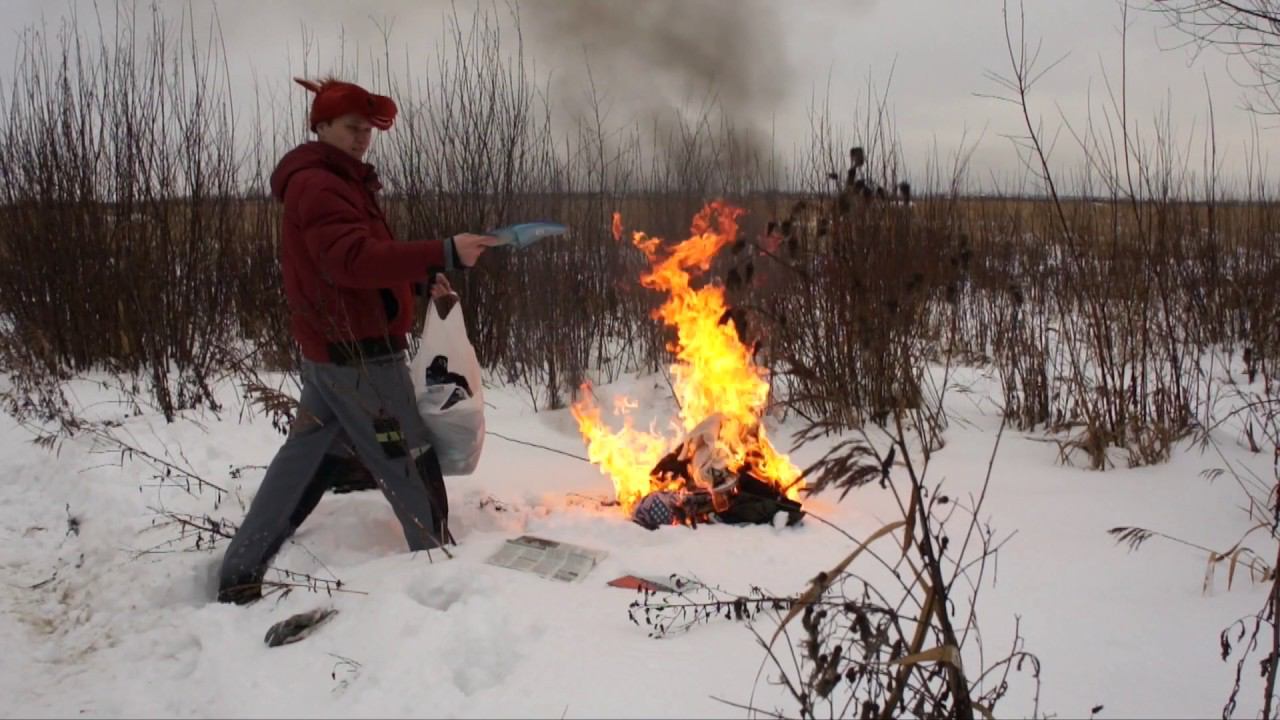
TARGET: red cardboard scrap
(635,582)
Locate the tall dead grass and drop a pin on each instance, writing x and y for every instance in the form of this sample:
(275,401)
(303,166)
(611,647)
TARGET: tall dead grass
(137,239)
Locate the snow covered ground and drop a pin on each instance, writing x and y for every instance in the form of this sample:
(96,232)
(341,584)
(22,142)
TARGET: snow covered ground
(91,627)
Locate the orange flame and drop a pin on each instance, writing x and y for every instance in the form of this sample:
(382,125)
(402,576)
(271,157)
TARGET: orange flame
(713,373)
(617,226)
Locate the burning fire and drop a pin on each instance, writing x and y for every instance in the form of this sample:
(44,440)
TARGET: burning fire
(716,384)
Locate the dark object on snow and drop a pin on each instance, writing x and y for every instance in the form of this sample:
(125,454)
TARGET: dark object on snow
(757,502)
(297,627)
(746,500)
(73,522)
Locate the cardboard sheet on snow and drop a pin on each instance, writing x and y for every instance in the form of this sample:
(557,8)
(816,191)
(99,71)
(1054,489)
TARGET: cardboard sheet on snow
(636,582)
(547,558)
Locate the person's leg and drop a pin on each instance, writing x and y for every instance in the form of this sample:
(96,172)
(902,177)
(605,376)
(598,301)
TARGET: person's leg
(429,469)
(290,490)
(345,473)
(374,402)
(428,464)
(344,470)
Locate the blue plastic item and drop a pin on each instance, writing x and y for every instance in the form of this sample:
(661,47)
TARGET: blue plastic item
(525,234)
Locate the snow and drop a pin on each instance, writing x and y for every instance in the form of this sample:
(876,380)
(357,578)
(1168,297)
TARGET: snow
(93,626)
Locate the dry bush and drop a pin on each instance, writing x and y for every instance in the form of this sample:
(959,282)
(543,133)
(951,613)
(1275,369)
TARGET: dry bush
(122,212)
(885,632)
(152,253)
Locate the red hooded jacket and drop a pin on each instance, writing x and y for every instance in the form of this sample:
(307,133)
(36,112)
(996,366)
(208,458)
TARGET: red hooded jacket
(347,279)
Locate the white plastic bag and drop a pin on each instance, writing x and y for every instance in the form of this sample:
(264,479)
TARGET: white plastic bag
(456,432)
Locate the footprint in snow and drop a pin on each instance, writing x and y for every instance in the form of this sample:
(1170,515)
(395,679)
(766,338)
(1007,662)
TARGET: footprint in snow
(440,593)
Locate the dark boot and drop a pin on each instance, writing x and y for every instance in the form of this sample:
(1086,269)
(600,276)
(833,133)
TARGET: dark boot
(247,588)
(242,594)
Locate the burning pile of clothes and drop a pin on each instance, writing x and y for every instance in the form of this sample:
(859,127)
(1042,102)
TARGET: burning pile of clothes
(701,488)
(718,463)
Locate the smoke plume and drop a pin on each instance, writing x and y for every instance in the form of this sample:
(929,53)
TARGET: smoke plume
(665,59)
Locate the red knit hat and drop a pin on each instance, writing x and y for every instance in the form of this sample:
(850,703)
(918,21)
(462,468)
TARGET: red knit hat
(335,98)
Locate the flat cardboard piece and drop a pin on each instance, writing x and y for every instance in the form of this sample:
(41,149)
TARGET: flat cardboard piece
(550,559)
(635,582)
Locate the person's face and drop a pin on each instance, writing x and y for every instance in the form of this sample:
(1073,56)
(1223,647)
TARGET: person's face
(351,133)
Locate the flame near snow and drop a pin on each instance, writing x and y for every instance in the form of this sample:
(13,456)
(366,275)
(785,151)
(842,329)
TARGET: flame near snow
(713,375)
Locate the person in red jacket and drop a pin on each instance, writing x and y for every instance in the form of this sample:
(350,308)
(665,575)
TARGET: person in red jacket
(349,285)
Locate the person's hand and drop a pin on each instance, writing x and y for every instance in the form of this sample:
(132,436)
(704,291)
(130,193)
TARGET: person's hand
(442,295)
(440,287)
(469,247)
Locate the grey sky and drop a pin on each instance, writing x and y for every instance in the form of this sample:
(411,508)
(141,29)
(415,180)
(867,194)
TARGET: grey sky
(766,59)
